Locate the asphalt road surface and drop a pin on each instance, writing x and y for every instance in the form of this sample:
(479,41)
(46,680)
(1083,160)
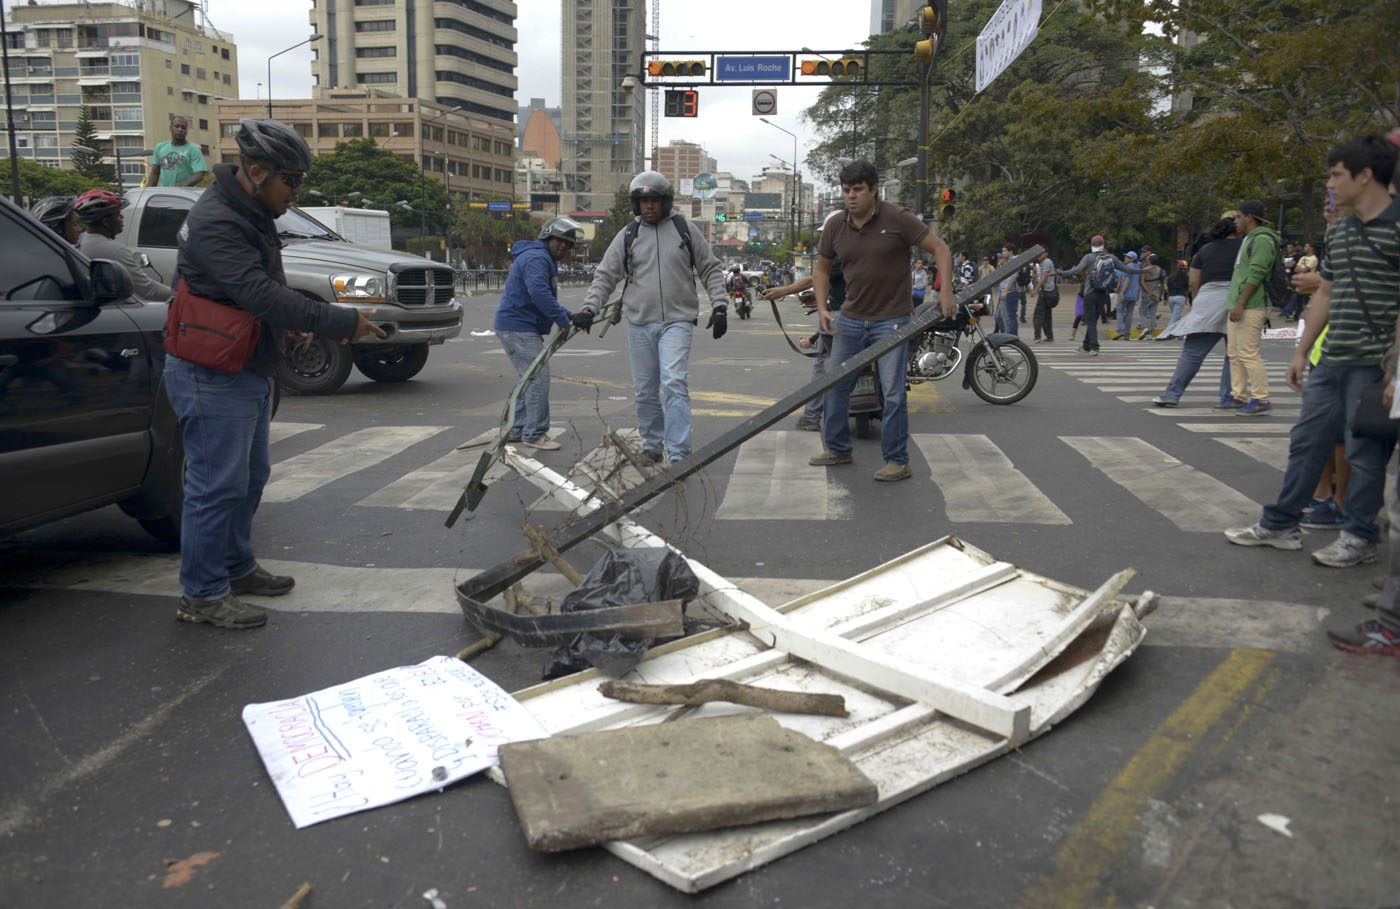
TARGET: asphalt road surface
(123,748)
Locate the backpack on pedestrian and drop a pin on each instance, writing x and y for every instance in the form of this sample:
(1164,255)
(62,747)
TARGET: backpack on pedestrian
(1103,274)
(1024,277)
(1276,286)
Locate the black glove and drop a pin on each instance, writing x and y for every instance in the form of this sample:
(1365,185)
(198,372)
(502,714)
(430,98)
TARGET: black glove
(583,320)
(719,321)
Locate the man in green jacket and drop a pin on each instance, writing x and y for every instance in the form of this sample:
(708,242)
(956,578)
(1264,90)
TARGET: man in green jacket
(1249,307)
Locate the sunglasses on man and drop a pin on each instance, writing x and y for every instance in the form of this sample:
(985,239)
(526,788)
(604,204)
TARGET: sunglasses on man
(292,178)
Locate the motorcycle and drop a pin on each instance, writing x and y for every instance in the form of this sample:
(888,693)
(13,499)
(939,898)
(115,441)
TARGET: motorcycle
(742,307)
(1000,368)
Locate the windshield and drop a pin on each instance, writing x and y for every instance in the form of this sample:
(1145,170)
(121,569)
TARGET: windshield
(298,224)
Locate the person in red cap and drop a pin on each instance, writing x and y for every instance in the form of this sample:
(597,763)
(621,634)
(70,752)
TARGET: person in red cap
(1102,269)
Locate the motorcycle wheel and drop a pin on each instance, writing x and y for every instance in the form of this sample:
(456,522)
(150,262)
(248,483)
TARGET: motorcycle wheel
(1006,384)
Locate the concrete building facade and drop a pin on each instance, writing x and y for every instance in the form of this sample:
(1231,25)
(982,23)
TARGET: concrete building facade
(133,66)
(680,160)
(604,123)
(454,52)
(473,157)
(887,15)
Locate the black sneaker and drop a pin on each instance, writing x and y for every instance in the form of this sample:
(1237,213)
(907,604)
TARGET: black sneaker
(225,612)
(261,583)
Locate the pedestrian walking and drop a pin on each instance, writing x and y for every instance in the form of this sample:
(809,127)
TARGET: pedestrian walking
(1204,327)
(1249,308)
(659,255)
(1153,290)
(529,306)
(230,264)
(1129,292)
(175,161)
(1047,297)
(1101,269)
(1178,290)
(1358,301)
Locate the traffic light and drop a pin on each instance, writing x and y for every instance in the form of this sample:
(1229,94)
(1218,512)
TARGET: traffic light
(933,19)
(947,204)
(676,68)
(682,102)
(846,66)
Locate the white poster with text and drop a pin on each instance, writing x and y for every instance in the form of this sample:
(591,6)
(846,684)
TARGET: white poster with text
(385,737)
(1011,30)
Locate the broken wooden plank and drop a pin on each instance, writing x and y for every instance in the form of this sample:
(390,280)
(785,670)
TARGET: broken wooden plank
(581,790)
(707,690)
(539,541)
(644,620)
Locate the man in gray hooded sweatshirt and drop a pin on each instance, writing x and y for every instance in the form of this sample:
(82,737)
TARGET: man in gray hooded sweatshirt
(659,254)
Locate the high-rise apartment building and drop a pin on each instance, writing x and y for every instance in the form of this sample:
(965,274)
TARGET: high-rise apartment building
(454,52)
(886,15)
(680,160)
(134,66)
(604,123)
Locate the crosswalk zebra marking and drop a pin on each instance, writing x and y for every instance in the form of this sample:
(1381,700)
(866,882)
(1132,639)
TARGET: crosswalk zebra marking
(1247,424)
(979,482)
(277,432)
(772,480)
(1212,412)
(1271,450)
(1189,498)
(310,470)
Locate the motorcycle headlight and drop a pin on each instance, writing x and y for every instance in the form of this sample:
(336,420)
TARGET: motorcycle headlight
(358,288)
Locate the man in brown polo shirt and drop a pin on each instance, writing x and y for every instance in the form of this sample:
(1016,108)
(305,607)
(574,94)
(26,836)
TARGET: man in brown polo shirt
(872,238)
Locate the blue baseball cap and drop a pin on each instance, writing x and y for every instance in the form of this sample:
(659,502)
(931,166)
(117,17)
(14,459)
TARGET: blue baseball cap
(1131,255)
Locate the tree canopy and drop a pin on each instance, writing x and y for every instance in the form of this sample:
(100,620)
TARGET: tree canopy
(1137,119)
(37,181)
(382,178)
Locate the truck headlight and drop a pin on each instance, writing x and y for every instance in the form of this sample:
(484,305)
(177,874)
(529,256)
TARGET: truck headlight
(359,288)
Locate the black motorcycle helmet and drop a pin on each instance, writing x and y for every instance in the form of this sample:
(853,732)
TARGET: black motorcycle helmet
(261,140)
(54,211)
(651,185)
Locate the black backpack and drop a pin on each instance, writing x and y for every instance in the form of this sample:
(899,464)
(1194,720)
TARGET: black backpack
(1103,274)
(630,236)
(1276,286)
(1023,277)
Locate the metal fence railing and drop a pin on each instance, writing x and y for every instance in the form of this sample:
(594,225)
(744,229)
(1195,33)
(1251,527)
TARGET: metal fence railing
(492,280)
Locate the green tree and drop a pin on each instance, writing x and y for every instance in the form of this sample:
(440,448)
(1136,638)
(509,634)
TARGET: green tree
(37,181)
(87,151)
(619,216)
(383,179)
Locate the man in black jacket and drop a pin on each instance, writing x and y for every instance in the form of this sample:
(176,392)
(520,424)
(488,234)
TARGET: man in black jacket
(230,253)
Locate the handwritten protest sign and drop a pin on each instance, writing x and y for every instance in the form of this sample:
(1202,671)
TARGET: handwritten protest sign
(385,737)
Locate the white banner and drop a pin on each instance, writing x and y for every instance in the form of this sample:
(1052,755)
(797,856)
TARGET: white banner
(1011,30)
(687,186)
(385,737)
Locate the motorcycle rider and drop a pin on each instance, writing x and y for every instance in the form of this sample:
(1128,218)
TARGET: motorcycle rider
(735,287)
(662,310)
(101,211)
(58,215)
(529,305)
(230,254)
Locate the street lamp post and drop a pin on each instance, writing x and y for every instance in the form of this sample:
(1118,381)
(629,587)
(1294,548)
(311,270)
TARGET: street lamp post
(334,197)
(423,178)
(143,153)
(314,37)
(797,180)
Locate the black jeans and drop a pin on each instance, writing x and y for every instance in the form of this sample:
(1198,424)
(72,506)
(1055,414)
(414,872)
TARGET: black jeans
(1041,319)
(1095,302)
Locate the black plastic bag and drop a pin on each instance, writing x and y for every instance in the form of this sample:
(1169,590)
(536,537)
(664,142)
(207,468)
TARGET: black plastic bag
(622,577)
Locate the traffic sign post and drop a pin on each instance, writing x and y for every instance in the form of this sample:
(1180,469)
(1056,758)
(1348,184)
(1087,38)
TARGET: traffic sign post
(765,101)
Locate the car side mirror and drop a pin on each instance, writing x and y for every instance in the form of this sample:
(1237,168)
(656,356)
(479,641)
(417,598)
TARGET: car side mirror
(109,281)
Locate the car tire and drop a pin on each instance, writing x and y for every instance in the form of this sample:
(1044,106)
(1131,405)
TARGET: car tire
(171,492)
(391,362)
(315,368)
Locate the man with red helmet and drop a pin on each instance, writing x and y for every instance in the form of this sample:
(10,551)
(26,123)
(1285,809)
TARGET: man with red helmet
(101,212)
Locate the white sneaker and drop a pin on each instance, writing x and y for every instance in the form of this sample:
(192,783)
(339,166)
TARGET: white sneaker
(1259,535)
(1345,551)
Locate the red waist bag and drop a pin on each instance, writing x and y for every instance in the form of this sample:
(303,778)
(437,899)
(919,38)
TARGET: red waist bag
(217,335)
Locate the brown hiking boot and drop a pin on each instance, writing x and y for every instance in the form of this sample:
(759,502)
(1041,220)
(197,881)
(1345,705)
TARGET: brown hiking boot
(225,612)
(892,472)
(261,583)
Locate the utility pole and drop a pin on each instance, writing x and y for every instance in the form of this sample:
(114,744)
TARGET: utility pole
(933,19)
(9,106)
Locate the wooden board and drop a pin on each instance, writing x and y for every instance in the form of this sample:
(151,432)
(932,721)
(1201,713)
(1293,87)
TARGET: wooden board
(580,790)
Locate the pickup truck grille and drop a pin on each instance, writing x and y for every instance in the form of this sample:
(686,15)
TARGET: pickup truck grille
(424,287)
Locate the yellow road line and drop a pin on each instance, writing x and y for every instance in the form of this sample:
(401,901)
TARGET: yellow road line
(1093,845)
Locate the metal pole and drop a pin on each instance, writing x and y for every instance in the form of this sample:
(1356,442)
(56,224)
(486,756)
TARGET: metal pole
(117,149)
(9,106)
(921,184)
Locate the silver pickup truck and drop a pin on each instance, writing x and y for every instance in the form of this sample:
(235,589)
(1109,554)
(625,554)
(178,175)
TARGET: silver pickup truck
(414,297)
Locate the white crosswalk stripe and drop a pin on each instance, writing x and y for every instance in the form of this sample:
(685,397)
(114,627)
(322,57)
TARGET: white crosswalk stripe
(772,480)
(279,431)
(1189,498)
(1178,412)
(979,482)
(1271,450)
(1243,424)
(310,470)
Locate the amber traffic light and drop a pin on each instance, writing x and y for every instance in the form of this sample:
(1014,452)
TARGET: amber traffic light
(676,68)
(947,204)
(846,66)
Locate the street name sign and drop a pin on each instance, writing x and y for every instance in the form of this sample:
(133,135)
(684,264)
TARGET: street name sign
(753,69)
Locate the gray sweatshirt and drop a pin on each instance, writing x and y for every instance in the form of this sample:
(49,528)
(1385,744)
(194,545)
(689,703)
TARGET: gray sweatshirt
(661,286)
(96,246)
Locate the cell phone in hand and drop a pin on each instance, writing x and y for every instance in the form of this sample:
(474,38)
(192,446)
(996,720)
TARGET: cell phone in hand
(1331,202)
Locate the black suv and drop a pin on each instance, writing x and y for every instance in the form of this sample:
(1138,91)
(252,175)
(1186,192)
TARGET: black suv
(84,421)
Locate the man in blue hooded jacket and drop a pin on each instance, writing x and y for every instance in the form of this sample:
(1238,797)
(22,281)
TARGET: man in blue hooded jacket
(529,305)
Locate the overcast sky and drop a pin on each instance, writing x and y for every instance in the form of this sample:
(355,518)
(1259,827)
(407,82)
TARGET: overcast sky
(726,127)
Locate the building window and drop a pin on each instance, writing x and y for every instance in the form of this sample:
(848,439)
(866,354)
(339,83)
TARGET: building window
(376,52)
(352,130)
(457,25)
(41,38)
(184,69)
(374,2)
(328,130)
(199,73)
(379,130)
(203,99)
(126,114)
(452,50)
(403,129)
(45,140)
(228,80)
(203,124)
(43,116)
(169,90)
(126,88)
(229,130)
(375,25)
(127,60)
(367,78)
(303,128)
(65,37)
(432,133)
(223,52)
(482,9)
(168,64)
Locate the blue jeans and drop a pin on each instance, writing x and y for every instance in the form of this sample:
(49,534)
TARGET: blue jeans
(224,424)
(853,336)
(1006,312)
(532,407)
(1329,399)
(1193,354)
(1125,317)
(1177,303)
(660,354)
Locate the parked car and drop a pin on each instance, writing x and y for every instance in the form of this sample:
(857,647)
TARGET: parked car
(413,297)
(84,421)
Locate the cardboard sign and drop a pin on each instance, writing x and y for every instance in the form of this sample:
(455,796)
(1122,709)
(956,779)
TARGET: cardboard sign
(385,737)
